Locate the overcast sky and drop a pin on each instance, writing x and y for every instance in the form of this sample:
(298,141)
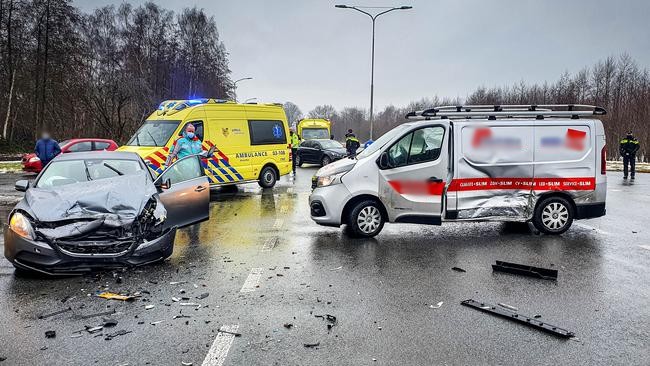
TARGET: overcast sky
(310,53)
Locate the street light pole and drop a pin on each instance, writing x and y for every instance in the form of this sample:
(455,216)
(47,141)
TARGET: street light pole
(372,57)
(234,87)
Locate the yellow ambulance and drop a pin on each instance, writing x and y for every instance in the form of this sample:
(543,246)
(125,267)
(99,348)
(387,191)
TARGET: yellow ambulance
(314,128)
(251,140)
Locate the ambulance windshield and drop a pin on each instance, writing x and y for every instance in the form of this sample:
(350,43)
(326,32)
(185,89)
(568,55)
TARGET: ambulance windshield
(154,133)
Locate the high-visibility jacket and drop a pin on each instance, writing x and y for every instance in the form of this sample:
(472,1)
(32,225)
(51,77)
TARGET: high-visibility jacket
(351,143)
(295,141)
(629,146)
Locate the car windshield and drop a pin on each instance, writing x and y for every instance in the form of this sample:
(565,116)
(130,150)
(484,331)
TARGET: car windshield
(60,173)
(315,133)
(383,140)
(154,133)
(330,144)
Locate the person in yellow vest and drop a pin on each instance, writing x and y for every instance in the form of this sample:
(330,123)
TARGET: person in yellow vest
(295,141)
(628,148)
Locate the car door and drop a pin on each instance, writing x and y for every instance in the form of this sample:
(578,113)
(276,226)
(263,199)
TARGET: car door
(185,192)
(413,175)
(308,153)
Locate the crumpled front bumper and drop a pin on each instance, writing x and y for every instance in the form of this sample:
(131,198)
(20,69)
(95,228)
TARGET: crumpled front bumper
(41,257)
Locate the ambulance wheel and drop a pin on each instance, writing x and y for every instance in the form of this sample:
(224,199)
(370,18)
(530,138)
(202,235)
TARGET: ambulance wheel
(326,160)
(267,177)
(365,220)
(554,215)
(298,160)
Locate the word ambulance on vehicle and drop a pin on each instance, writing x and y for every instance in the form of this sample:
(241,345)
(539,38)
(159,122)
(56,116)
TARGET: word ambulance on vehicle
(314,128)
(251,140)
(539,163)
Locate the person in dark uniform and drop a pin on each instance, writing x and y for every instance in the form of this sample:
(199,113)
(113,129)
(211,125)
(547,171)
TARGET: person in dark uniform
(628,148)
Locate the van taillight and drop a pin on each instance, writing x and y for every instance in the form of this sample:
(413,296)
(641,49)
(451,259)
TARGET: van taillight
(603,160)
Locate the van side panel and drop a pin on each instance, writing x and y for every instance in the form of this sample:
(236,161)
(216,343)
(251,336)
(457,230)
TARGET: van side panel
(276,154)
(493,170)
(566,155)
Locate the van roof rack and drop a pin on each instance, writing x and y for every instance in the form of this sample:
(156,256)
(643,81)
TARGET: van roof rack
(491,112)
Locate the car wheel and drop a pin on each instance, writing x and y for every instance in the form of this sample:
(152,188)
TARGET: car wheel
(554,215)
(298,160)
(365,220)
(326,160)
(267,178)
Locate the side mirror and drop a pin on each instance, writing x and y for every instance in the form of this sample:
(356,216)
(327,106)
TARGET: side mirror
(22,185)
(160,184)
(383,162)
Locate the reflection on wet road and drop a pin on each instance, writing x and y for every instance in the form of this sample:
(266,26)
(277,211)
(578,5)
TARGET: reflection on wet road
(267,270)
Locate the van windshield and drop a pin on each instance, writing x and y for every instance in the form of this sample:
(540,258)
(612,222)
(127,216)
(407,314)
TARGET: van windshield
(383,140)
(315,133)
(154,133)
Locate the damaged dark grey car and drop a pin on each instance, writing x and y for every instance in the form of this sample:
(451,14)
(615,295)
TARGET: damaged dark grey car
(103,210)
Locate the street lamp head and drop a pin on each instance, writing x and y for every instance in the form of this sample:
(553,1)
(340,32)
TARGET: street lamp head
(341,6)
(406,7)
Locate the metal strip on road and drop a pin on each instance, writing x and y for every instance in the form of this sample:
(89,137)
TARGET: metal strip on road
(220,347)
(252,280)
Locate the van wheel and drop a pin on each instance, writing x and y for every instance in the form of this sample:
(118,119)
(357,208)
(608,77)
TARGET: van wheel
(554,215)
(365,220)
(267,178)
(326,160)
(298,160)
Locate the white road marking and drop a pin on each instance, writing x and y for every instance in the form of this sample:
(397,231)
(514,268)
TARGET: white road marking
(278,223)
(646,247)
(269,244)
(290,190)
(585,226)
(220,347)
(252,280)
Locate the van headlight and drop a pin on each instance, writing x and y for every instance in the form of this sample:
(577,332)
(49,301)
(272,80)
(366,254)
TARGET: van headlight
(21,225)
(329,180)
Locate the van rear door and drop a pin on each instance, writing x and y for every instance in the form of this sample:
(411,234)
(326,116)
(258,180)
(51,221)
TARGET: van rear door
(413,173)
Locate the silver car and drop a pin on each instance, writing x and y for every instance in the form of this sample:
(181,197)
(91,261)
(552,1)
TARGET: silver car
(103,210)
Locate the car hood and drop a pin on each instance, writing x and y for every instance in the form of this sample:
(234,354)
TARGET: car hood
(112,201)
(340,151)
(336,167)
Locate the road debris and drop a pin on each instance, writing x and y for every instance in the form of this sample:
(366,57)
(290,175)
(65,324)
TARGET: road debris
(523,319)
(177,282)
(311,345)
(113,296)
(175,299)
(191,304)
(509,307)
(50,334)
(288,325)
(525,270)
(203,296)
(149,307)
(336,269)
(121,332)
(229,332)
(186,363)
(91,330)
(101,313)
(109,322)
(458,269)
(45,316)
(331,319)
(436,306)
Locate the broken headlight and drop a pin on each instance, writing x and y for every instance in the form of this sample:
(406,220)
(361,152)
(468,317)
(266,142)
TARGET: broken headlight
(20,225)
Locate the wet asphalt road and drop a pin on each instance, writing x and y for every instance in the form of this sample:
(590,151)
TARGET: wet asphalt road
(380,291)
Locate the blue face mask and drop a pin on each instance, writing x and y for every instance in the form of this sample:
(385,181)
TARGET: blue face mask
(189,135)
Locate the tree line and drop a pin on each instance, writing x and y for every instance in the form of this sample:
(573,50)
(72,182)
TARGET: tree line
(101,73)
(616,83)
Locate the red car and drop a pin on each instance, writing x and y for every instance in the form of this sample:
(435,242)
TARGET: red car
(31,163)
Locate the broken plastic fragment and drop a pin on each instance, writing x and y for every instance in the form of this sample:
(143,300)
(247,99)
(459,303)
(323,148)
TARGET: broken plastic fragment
(458,269)
(436,306)
(113,296)
(50,334)
(147,307)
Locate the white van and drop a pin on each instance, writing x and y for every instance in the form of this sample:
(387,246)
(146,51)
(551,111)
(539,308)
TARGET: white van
(539,163)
